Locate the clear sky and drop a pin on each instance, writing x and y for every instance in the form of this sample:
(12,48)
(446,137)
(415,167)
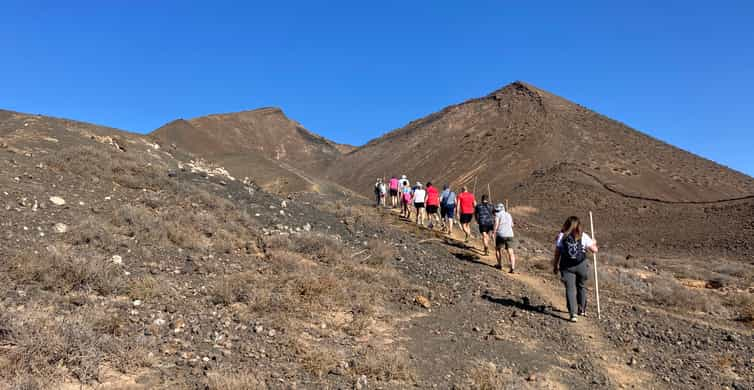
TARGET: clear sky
(682,71)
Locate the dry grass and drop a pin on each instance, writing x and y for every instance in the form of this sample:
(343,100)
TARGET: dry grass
(385,366)
(380,253)
(233,380)
(59,270)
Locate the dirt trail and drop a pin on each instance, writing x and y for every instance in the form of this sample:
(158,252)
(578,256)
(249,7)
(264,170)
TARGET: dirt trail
(613,362)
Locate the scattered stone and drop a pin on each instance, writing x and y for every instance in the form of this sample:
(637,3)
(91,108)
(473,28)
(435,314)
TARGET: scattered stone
(271,333)
(60,228)
(632,362)
(308,227)
(137,302)
(283,204)
(258,329)
(532,378)
(159,322)
(57,201)
(117,259)
(476,329)
(423,301)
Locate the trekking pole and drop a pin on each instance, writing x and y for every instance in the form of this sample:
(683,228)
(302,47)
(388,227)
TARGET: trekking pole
(489,192)
(506,205)
(596,281)
(474,190)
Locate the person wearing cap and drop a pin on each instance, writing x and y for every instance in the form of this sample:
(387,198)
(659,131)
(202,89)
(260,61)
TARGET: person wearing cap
(420,198)
(504,240)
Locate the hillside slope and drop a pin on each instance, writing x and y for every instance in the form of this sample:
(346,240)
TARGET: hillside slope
(264,144)
(557,158)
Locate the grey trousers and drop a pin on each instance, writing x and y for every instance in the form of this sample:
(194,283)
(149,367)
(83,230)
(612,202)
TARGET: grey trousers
(575,278)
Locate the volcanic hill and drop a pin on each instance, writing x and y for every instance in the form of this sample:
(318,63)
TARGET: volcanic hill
(551,158)
(263,144)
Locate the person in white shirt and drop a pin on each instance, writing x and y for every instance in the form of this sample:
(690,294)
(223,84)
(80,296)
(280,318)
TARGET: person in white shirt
(420,199)
(570,259)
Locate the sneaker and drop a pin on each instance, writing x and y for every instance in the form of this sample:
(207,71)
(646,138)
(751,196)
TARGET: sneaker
(512,271)
(582,314)
(574,319)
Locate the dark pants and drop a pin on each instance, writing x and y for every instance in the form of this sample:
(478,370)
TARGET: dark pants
(574,278)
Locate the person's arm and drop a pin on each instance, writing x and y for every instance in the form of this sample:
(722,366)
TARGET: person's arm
(497,225)
(556,260)
(594,248)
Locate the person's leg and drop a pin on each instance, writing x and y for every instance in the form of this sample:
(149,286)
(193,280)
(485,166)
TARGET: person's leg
(511,258)
(485,242)
(569,280)
(582,277)
(499,251)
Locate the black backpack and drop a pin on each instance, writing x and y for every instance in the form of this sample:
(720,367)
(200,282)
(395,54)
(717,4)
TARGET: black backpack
(484,215)
(571,251)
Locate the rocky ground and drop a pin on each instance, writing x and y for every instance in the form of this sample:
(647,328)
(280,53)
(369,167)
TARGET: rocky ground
(123,267)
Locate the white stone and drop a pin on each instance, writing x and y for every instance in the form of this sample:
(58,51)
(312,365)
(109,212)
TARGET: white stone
(159,322)
(60,228)
(57,201)
(137,302)
(308,227)
(117,259)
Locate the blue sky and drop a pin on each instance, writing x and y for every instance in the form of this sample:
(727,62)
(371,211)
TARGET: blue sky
(682,71)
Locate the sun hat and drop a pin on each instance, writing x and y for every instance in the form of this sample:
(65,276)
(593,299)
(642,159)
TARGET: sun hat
(499,207)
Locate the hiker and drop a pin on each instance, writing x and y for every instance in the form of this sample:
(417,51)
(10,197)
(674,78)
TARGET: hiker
(393,192)
(420,198)
(433,203)
(383,193)
(570,260)
(377,192)
(504,240)
(405,202)
(403,182)
(448,208)
(485,218)
(466,204)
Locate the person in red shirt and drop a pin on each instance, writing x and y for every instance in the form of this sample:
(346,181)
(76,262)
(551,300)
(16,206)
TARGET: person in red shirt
(466,203)
(433,204)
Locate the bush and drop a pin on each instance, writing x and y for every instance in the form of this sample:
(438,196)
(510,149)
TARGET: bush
(60,271)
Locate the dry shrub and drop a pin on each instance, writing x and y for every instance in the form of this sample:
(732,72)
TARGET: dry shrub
(94,233)
(84,161)
(362,319)
(385,366)
(137,220)
(743,304)
(320,247)
(381,253)
(185,236)
(146,288)
(486,376)
(316,359)
(234,288)
(233,380)
(61,271)
(667,291)
(211,201)
(128,169)
(43,347)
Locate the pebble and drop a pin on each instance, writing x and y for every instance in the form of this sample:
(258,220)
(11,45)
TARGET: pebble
(159,322)
(117,259)
(57,201)
(137,302)
(308,227)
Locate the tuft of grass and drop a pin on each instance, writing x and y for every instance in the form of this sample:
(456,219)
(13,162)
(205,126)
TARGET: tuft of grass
(63,272)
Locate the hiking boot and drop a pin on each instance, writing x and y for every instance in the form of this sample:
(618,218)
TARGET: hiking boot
(574,318)
(511,271)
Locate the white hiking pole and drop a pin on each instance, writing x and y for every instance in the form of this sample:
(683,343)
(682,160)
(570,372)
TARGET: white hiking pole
(596,281)
(489,192)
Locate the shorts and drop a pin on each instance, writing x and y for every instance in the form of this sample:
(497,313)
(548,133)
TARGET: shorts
(466,218)
(448,211)
(485,228)
(505,242)
(431,209)
(393,192)
(419,205)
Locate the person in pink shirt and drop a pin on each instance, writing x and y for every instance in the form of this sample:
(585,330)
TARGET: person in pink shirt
(394,191)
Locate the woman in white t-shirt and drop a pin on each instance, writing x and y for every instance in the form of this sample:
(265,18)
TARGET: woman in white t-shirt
(420,198)
(570,259)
